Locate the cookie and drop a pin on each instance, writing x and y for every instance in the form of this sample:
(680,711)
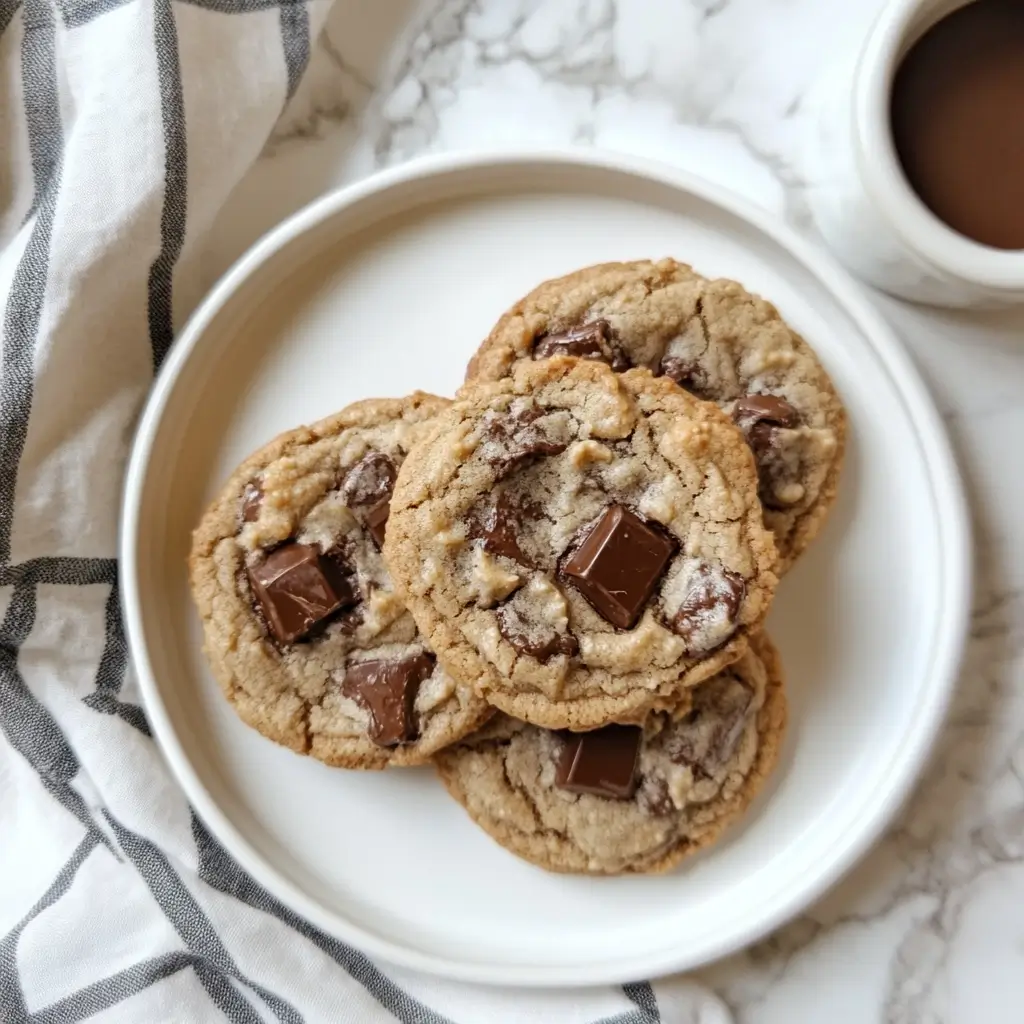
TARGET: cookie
(626,798)
(301,623)
(718,342)
(580,544)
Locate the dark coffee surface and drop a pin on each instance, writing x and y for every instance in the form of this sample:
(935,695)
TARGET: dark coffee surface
(958,121)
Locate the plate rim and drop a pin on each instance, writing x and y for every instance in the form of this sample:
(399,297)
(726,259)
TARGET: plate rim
(942,473)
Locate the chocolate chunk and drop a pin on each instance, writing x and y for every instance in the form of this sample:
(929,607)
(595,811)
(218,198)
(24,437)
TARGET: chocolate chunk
(761,417)
(707,615)
(534,639)
(585,341)
(593,340)
(602,763)
(686,373)
(298,588)
(515,438)
(765,409)
(498,526)
(252,499)
(368,487)
(618,565)
(376,519)
(709,734)
(387,689)
(370,481)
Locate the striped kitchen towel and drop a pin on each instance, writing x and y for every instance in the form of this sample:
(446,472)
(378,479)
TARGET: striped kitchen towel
(124,125)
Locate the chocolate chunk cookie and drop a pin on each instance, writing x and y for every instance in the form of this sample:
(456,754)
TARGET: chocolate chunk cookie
(718,342)
(302,625)
(581,545)
(626,798)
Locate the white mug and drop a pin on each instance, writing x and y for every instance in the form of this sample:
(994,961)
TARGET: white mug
(860,199)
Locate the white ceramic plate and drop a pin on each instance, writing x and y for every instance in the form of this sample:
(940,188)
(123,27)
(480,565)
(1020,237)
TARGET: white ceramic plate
(389,286)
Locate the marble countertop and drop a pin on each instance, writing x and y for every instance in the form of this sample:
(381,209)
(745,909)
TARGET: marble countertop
(930,926)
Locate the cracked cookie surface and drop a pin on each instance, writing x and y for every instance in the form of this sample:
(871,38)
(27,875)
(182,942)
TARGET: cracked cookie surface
(581,545)
(626,798)
(302,625)
(714,339)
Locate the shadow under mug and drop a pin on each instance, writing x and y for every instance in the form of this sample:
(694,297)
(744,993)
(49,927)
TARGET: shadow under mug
(860,199)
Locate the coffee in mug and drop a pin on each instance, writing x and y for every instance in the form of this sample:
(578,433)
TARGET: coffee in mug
(957,110)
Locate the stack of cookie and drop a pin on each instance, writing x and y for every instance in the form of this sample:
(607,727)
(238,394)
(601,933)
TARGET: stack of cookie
(553,587)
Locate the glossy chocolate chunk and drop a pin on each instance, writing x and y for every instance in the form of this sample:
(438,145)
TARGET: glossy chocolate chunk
(618,564)
(766,409)
(499,528)
(370,481)
(586,341)
(297,588)
(252,499)
(709,734)
(367,488)
(761,416)
(534,639)
(707,615)
(512,439)
(686,373)
(593,340)
(387,689)
(602,763)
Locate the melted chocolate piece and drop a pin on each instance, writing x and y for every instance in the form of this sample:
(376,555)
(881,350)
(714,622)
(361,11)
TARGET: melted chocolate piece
(708,736)
(298,588)
(252,500)
(368,486)
(387,689)
(602,763)
(370,481)
(535,640)
(618,564)
(517,439)
(707,616)
(687,374)
(767,409)
(498,530)
(592,340)
(761,417)
(585,341)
